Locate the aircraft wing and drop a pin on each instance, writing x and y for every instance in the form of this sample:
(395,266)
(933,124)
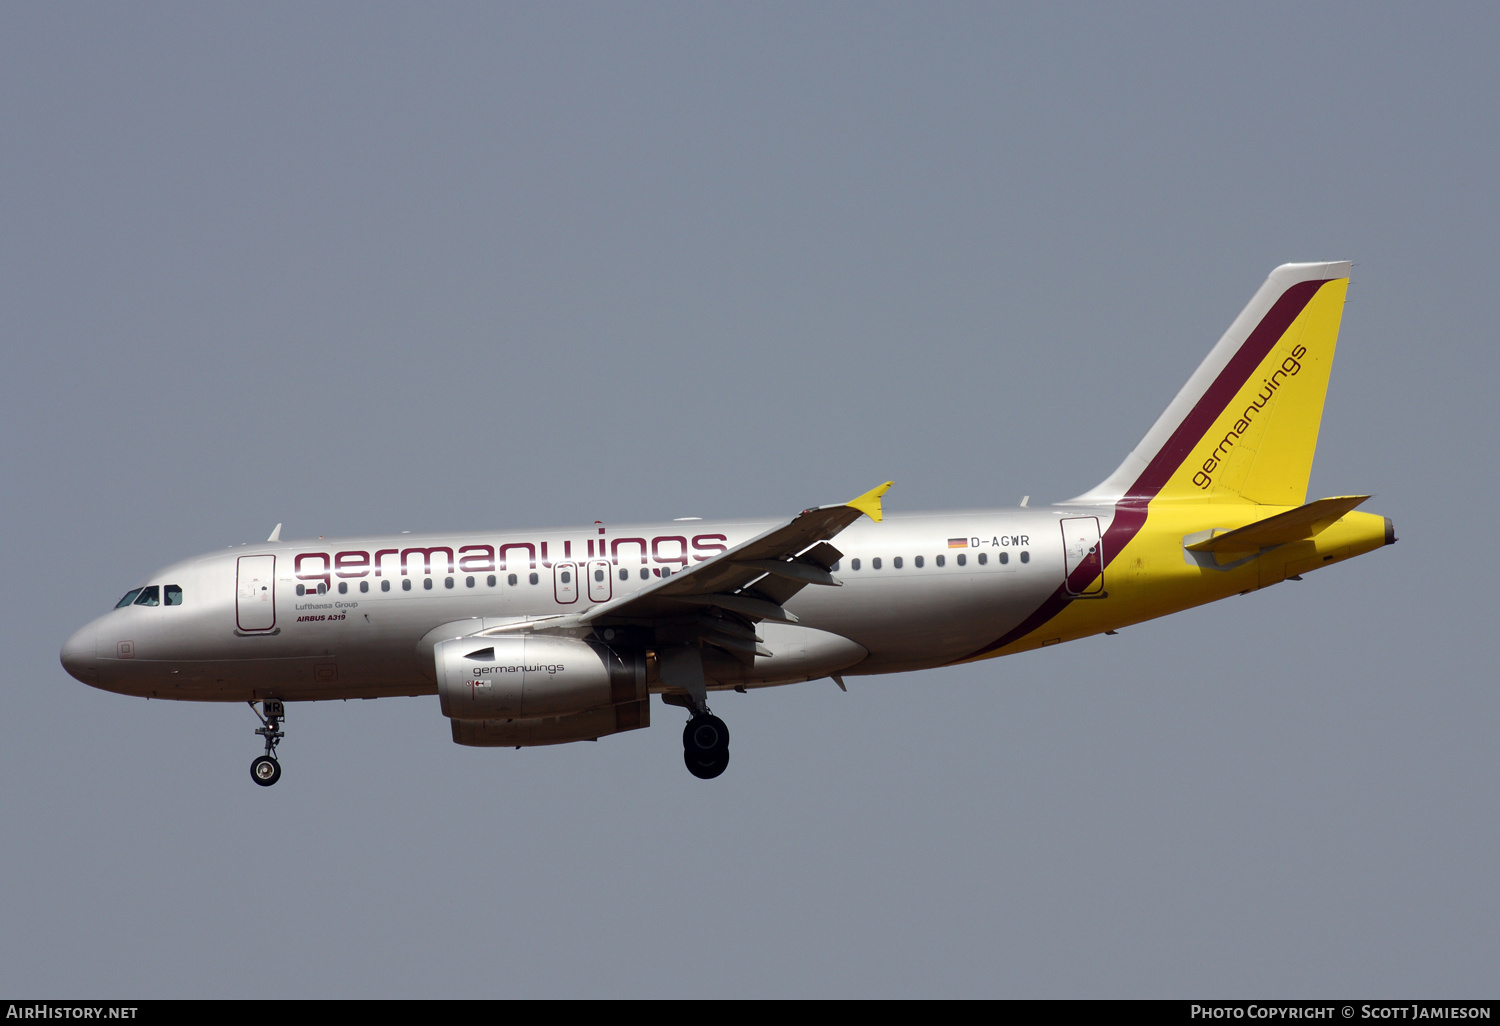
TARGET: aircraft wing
(755,578)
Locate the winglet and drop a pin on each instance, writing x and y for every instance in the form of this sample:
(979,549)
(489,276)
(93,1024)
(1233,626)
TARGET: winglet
(275,535)
(869,503)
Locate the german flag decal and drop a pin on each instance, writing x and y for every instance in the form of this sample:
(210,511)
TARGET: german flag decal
(958,543)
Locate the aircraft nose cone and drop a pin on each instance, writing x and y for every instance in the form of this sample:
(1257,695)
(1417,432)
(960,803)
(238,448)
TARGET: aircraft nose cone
(78,656)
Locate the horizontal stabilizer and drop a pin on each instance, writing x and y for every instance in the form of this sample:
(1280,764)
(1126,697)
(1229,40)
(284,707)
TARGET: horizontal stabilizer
(1293,525)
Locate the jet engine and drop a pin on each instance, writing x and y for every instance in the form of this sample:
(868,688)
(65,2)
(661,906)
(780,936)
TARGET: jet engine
(533,676)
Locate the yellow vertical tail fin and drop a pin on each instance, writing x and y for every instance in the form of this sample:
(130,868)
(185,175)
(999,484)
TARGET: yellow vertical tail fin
(1245,426)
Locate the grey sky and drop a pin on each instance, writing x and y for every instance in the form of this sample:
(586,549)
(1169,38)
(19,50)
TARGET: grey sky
(363,268)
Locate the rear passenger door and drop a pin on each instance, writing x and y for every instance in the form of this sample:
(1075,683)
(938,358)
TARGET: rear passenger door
(1083,556)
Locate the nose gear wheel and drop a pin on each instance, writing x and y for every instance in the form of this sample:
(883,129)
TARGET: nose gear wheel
(265,771)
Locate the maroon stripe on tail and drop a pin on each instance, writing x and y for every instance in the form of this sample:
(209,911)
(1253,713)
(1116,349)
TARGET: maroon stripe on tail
(1224,388)
(1130,511)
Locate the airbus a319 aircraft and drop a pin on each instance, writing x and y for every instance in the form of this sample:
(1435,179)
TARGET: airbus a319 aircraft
(549,636)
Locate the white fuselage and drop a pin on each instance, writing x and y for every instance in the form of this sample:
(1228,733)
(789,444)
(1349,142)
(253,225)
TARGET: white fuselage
(346,618)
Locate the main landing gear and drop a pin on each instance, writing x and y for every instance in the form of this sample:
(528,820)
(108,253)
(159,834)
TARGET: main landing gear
(705,739)
(705,745)
(265,770)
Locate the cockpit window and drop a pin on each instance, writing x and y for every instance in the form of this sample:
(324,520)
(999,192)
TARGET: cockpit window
(173,594)
(129,598)
(149,596)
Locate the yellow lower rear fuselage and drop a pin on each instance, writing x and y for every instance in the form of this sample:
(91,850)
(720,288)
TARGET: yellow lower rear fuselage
(1154,573)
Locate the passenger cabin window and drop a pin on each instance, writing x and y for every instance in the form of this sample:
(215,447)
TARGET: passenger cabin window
(645,574)
(406,585)
(129,598)
(385,585)
(854,564)
(896,562)
(533,578)
(875,563)
(984,557)
(962,559)
(624,575)
(1004,558)
(490,580)
(427,584)
(942,561)
(1026,557)
(364,586)
(468,582)
(149,596)
(918,561)
(835,566)
(343,587)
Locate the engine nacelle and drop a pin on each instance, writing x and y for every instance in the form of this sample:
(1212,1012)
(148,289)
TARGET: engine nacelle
(553,730)
(526,676)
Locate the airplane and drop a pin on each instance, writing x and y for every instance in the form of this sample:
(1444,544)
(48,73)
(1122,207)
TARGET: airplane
(552,636)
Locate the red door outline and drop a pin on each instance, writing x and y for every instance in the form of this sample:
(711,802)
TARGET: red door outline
(565,583)
(600,587)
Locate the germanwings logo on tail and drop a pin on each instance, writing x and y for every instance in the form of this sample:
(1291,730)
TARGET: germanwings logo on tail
(1264,457)
(1238,432)
(1290,367)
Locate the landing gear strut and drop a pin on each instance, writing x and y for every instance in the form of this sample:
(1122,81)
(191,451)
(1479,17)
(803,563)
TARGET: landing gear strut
(265,770)
(705,739)
(705,745)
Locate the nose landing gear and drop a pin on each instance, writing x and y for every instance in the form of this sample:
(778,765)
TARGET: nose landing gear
(265,770)
(705,745)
